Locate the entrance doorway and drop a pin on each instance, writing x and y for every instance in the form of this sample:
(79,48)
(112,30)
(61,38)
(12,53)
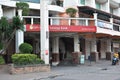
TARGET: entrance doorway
(66,47)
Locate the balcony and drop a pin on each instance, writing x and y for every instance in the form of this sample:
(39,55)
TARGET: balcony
(32,1)
(86,24)
(61,21)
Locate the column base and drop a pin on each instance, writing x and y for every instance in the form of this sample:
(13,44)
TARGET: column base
(108,56)
(55,63)
(94,56)
(55,59)
(76,57)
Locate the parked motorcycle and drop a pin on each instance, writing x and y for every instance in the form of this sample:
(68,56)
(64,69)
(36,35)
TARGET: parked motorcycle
(114,61)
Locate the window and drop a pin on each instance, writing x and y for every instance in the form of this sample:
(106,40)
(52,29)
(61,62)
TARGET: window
(98,6)
(82,2)
(33,1)
(59,3)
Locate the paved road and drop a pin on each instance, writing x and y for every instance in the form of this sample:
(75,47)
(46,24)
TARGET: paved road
(103,70)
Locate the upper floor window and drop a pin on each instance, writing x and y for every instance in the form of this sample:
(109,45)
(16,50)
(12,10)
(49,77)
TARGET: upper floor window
(82,2)
(98,5)
(33,1)
(57,2)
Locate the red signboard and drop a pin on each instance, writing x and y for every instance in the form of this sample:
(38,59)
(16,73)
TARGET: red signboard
(62,28)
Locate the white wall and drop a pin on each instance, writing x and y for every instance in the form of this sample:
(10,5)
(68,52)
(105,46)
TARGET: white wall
(116,12)
(106,6)
(118,1)
(90,3)
(9,13)
(68,3)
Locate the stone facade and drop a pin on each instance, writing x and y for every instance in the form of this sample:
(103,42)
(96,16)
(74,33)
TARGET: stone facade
(28,68)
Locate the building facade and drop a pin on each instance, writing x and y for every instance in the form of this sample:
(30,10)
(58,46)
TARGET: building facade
(95,31)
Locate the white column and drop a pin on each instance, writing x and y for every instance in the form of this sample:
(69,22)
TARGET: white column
(55,51)
(94,46)
(20,13)
(44,31)
(76,43)
(19,39)
(55,45)
(95,17)
(19,35)
(109,45)
(1,11)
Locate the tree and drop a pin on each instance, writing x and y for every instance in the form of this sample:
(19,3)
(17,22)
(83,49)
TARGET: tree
(4,27)
(7,31)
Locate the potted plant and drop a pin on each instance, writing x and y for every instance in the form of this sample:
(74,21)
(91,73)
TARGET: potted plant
(24,7)
(72,13)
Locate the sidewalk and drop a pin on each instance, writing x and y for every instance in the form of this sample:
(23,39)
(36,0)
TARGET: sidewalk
(101,67)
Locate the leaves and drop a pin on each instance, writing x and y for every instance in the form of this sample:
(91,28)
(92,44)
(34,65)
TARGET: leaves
(26,59)
(26,48)
(17,23)
(3,24)
(7,29)
(71,12)
(24,7)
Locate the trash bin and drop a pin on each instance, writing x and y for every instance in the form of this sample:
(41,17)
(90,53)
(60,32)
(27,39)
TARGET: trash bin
(82,59)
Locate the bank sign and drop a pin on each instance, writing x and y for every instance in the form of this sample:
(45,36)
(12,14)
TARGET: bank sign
(61,28)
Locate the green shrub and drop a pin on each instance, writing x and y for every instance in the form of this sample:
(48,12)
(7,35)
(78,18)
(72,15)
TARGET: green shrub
(25,48)
(26,59)
(2,61)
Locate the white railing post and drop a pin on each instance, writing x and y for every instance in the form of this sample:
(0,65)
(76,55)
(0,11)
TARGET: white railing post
(119,27)
(51,21)
(111,21)
(86,22)
(31,20)
(95,17)
(69,21)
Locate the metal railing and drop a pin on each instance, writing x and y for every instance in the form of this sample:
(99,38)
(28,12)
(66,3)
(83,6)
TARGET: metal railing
(73,21)
(104,24)
(61,21)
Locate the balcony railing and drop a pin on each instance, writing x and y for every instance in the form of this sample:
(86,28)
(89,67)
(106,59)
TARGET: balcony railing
(104,24)
(50,2)
(61,21)
(32,1)
(73,21)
